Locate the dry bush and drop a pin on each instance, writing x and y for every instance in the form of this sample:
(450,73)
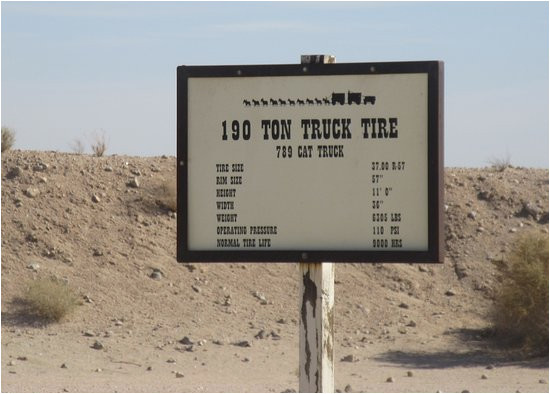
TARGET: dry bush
(8,138)
(521,308)
(168,195)
(50,299)
(77,146)
(99,144)
(501,164)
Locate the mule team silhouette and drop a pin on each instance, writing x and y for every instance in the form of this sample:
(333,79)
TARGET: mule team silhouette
(336,98)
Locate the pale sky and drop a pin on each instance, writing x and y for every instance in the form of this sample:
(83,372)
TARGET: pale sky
(70,69)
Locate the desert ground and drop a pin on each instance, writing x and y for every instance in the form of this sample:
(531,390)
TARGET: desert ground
(147,323)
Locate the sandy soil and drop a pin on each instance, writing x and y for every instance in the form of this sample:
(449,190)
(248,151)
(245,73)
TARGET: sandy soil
(79,219)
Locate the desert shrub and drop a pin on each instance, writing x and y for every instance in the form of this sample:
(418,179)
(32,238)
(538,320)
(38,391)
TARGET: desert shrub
(99,144)
(8,138)
(521,308)
(50,298)
(77,146)
(168,195)
(501,163)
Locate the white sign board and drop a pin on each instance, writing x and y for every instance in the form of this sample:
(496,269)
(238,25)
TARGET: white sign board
(291,163)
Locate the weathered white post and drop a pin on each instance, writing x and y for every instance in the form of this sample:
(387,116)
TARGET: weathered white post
(316,312)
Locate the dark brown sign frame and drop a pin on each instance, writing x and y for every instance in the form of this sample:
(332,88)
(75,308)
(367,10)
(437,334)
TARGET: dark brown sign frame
(435,250)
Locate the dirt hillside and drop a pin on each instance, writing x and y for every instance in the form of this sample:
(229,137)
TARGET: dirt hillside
(101,224)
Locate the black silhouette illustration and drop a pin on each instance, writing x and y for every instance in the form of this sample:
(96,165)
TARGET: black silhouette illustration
(338,98)
(349,98)
(354,98)
(369,99)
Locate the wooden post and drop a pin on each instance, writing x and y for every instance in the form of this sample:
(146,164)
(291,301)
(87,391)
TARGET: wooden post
(316,328)
(316,312)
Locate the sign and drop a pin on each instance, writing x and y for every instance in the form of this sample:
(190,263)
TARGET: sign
(317,162)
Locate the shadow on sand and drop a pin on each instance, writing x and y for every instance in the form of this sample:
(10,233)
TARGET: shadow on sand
(484,351)
(21,315)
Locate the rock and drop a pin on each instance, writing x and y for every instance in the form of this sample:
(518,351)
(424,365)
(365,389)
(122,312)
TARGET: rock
(404,305)
(12,363)
(88,300)
(259,296)
(171,361)
(246,359)
(528,210)
(289,391)
(412,323)
(31,237)
(350,358)
(32,192)
(260,335)
(157,275)
(275,336)
(190,267)
(490,366)
(135,171)
(40,167)
(134,182)
(13,173)
(348,389)
(196,288)
(465,391)
(97,252)
(95,198)
(98,370)
(186,341)
(108,169)
(543,218)
(149,368)
(472,214)
(543,381)
(390,380)
(282,321)
(410,374)
(179,375)
(33,266)
(402,330)
(450,293)
(89,334)
(484,377)
(485,195)
(22,358)
(64,366)
(97,345)
(242,344)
